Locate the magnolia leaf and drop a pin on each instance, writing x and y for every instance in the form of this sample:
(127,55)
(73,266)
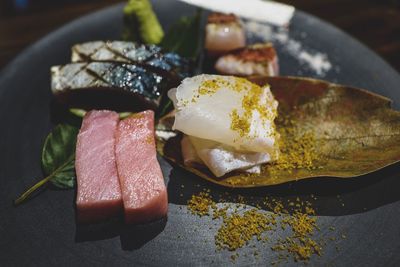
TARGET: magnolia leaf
(327,130)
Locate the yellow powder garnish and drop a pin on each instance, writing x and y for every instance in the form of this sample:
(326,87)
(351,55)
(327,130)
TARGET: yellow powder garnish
(240,225)
(210,87)
(239,124)
(237,230)
(301,249)
(302,224)
(200,204)
(297,149)
(250,104)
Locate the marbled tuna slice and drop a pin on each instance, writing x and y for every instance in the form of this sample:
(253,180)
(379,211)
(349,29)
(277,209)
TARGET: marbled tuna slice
(99,193)
(143,190)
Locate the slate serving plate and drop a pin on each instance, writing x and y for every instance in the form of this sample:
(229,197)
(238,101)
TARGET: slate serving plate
(43,231)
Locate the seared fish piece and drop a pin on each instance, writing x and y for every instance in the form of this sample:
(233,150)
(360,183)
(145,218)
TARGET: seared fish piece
(223,33)
(258,59)
(74,84)
(133,53)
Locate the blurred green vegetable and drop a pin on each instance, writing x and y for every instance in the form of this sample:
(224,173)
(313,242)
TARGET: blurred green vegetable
(184,37)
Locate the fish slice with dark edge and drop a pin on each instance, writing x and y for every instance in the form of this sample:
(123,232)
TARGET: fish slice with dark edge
(132,53)
(99,193)
(143,190)
(108,85)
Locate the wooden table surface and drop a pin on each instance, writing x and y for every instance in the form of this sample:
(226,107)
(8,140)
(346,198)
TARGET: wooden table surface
(376,23)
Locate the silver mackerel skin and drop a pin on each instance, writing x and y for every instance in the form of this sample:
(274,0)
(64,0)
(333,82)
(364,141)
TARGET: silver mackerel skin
(130,78)
(133,53)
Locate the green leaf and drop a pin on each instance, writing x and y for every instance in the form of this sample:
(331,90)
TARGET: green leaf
(184,37)
(58,157)
(327,130)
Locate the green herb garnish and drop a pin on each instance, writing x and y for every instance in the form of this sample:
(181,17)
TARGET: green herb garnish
(184,36)
(58,158)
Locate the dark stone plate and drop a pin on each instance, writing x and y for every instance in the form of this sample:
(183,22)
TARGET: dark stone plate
(43,231)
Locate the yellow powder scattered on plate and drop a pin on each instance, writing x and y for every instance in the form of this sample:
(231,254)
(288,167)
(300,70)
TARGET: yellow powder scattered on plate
(239,225)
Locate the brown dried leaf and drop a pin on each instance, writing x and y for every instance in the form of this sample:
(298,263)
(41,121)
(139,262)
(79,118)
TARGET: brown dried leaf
(354,131)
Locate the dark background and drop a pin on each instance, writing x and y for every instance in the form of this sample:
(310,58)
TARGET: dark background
(374,22)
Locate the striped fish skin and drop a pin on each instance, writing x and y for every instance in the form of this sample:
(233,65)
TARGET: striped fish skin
(129,78)
(133,53)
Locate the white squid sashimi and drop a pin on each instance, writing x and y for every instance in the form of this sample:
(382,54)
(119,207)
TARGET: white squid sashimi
(220,159)
(213,107)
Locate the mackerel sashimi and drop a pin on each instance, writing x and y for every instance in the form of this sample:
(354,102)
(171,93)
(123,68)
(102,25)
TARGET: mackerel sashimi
(99,193)
(132,53)
(74,84)
(143,190)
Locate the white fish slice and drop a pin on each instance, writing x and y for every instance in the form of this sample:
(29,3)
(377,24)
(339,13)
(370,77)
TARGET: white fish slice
(221,159)
(210,116)
(261,10)
(218,158)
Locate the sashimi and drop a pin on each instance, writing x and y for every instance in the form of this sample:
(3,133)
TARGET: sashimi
(99,193)
(257,59)
(223,33)
(132,53)
(143,190)
(112,83)
(222,159)
(227,110)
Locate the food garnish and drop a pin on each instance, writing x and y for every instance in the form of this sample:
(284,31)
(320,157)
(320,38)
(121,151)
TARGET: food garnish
(141,23)
(184,37)
(240,222)
(58,156)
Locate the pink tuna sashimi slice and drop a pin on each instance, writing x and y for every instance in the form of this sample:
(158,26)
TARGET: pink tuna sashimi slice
(99,193)
(142,183)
